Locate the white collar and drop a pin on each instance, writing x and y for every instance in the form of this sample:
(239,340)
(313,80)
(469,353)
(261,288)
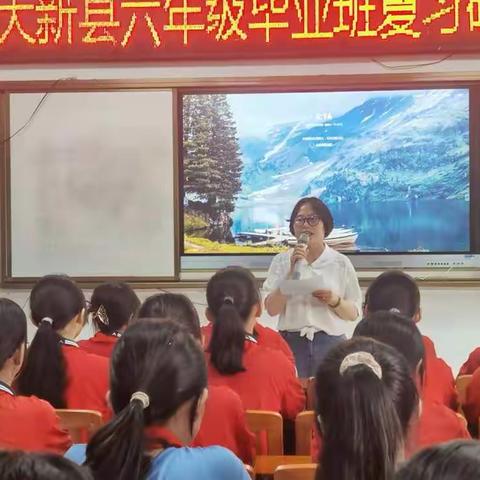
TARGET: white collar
(5,388)
(68,342)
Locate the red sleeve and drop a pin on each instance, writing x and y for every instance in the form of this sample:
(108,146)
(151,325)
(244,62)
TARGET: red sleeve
(472,401)
(473,362)
(439,384)
(283,346)
(315,445)
(58,440)
(246,440)
(293,394)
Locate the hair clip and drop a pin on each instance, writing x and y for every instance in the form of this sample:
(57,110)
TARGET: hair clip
(361,358)
(46,320)
(142,396)
(101,315)
(394,310)
(228,299)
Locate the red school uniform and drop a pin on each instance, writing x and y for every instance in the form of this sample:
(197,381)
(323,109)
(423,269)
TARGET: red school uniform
(471,407)
(87,379)
(100,344)
(266,337)
(224,424)
(439,384)
(269,381)
(472,363)
(30,424)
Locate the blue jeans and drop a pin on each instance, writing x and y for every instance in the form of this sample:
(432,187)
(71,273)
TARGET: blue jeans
(308,354)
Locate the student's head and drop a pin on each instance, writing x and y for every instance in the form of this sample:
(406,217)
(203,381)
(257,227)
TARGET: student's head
(366,398)
(13,337)
(158,377)
(311,215)
(175,307)
(39,466)
(457,460)
(394,290)
(58,309)
(113,305)
(233,302)
(397,331)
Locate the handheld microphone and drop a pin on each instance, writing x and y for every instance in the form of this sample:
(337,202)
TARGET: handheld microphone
(299,266)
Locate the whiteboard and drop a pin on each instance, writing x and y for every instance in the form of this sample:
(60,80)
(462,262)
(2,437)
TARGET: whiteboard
(92,184)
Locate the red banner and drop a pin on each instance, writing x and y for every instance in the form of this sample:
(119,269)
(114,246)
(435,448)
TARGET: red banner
(42,31)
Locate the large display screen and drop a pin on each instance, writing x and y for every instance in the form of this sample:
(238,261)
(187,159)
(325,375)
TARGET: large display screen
(392,165)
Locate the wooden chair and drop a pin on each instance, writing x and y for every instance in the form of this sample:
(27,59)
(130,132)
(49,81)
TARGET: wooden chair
(80,424)
(295,472)
(303,432)
(310,394)
(268,464)
(260,421)
(462,382)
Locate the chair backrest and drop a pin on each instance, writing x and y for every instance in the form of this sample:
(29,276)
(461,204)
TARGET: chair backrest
(295,472)
(310,394)
(462,383)
(250,471)
(262,422)
(303,432)
(80,424)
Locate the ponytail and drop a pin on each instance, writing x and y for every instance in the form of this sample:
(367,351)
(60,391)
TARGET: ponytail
(117,450)
(227,340)
(364,408)
(54,302)
(44,373)
(231,295)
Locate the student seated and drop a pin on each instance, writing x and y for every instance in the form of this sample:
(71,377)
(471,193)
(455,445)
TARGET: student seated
(471,407)
(26,423)
(158,393)
(263,378)
(224,420)
(56,369)
(459,460)
(35,466)
(366,400)
(396,291)
(112,306)
(436,423)
(471,364)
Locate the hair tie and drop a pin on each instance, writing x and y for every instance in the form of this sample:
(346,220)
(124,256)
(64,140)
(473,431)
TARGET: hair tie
(143,397)
(394,310)
(361,358)
(101,315)
(46,320)
(228,299)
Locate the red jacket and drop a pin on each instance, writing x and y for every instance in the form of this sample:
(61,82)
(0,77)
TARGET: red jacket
(30,424)
(266,337)
(439,384)
(224,424)
(87,380)
(437,424)
(471,407)
(473,362)
(269,381)
(100,344)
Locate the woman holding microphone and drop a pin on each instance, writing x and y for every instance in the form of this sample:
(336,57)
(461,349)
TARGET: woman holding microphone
(312,323)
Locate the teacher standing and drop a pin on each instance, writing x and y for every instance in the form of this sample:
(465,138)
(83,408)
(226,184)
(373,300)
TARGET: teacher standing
(312,323)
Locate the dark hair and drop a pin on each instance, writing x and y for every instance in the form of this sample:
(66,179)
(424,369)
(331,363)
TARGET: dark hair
(162,360)
(319,208)
(174,306)
(39,466)
(397,331)
(457,460)
(393,289)
(231,294)
(58,298)
(119,303)
(364,418)
(13,329)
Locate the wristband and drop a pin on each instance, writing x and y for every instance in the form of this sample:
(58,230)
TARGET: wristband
(336,304)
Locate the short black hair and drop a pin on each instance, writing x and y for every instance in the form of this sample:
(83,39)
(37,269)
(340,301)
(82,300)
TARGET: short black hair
(319,208)
(393,289)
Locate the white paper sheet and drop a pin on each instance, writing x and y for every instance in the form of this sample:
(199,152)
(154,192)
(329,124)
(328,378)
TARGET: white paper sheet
(303,286)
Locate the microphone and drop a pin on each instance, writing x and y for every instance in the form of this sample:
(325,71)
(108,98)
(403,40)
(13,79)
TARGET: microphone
(300,265)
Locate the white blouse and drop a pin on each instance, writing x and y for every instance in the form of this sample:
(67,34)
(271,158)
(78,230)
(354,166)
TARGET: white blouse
(305,313)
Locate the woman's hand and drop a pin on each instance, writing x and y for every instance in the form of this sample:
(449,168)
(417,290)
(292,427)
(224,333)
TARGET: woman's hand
(326,296)
(299,253)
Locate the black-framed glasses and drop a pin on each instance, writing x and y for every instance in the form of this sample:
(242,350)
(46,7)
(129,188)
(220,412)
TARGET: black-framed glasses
(312,220)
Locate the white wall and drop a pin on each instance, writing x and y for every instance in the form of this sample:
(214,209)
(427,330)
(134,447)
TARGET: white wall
(451,315)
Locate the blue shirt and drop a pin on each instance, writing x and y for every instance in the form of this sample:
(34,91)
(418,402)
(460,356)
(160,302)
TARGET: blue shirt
(210,463)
